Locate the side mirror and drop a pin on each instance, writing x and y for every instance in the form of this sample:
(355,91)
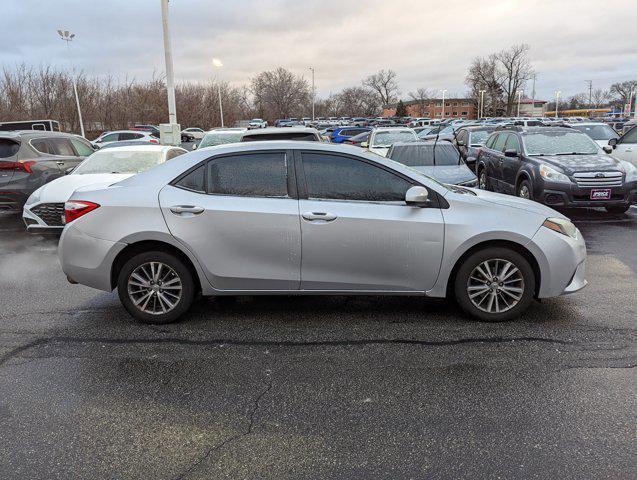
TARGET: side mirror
(612,142)
(194,147)
(364,144)
(417,196)
(607,149)
(511,153)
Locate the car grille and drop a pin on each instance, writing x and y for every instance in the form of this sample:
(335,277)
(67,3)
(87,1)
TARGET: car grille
(598,179)
(50,213)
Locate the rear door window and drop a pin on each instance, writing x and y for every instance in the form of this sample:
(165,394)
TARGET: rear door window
(249,175)
(8,148)
(43,145)
(82,147)
(62,147)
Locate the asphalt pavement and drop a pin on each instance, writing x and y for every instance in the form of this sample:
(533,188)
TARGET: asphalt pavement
(318,387)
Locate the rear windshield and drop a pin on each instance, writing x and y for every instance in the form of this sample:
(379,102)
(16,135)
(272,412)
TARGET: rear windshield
(308,137)
(212,139)
(114,161)
(8,148)
(419,155)
(597,132)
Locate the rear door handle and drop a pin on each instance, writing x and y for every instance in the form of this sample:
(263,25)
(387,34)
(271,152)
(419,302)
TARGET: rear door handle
(324,216)
(179,209)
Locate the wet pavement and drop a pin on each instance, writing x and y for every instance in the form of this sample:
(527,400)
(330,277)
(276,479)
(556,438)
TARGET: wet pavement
(317,387)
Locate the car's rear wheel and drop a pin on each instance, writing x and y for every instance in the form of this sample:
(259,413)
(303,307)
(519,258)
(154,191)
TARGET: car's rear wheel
(525,190)
(495,284)
(483,180)
(156,287)
(618,209)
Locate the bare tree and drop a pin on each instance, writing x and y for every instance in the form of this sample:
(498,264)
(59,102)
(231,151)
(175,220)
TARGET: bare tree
(600,97)
(385,84)
(621,91)
(281,94)
(484,74)
(358,101)
(515,70)
(421,96)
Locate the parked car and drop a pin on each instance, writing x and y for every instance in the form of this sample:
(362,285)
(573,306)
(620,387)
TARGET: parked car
(257,123)
(203,225)
(339,135)
(599,132)
(625,147)
(191,134)
(438,160)
(48,125)
(558,166)
(358,139)
(469,140)
(43,211)
(152,129)
(221,136)
(444,132)
(290,133)
(359,122)
(126,143)
(31,158)
(381,138)
(119,135)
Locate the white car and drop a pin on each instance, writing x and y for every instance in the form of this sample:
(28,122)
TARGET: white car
(382,138)
(625,147)
(192,133)
(257,123)
(121,135)
(44,209)
(221,136)
(599,132)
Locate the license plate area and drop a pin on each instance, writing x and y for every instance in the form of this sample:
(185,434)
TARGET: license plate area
(600,194)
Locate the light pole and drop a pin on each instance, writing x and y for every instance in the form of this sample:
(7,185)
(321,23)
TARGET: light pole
(313,93)
(68,38)
(170,75)
(481,109)
(557,102)
(217,64)
(519,92)
(443,103)
(630,104)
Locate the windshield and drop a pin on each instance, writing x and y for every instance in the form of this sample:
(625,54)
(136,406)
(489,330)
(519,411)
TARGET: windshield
(558,143)
(217,138)
(386,139)
(479,137)
(597,132)
(422,155)
(111,161)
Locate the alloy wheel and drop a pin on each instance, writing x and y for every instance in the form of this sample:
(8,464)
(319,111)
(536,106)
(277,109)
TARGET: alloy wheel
(483,180)
(524,192)
(495,286)
(154,288)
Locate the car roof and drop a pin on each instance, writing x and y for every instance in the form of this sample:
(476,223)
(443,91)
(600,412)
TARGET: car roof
(282,131)
(475,128)
(143,148)
(38,133)
(393,129)
(224,131)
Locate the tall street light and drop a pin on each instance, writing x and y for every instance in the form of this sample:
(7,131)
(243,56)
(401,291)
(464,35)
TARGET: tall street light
(217,64)
(481,109)
(313,93)
(557,102)
(68,38)
(519,92)
(443,103)
(173,130)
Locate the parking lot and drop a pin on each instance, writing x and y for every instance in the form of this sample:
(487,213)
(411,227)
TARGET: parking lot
(317,387)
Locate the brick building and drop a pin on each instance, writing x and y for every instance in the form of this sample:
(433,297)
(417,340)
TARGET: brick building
(454,108)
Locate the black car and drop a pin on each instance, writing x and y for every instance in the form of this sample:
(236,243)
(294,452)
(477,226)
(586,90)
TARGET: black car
(469,140)
(560,167)
(31,158)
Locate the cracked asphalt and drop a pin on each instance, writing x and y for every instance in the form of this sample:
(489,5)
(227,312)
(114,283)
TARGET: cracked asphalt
(318,387)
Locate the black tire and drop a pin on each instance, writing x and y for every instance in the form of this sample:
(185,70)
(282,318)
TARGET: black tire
(184,139)
(461,284)
(618,209)
(525,185)
(483,179)
(182,271)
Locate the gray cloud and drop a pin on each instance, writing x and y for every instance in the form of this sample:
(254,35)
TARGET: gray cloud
(428,44)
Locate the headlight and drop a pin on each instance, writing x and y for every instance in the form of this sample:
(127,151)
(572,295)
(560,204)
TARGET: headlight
(631,172)
(34,197)
(560,225)
(552,175)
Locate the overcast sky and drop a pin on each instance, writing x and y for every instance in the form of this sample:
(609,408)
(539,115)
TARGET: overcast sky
(429,44)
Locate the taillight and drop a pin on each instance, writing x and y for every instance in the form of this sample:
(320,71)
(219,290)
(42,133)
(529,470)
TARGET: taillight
(74,209)
(21,166)
(152,140)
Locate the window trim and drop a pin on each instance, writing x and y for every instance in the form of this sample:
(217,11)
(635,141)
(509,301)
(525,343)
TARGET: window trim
(52,154)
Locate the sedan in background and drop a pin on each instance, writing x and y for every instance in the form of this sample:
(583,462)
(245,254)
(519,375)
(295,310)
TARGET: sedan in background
(381,138)
(191,134)
(438,160)
(600,133)
(44,210)
(120,135)
(220,136)
(290,133)
(358,139)
(257,123)
(368,225)
(31,158)
(339,135)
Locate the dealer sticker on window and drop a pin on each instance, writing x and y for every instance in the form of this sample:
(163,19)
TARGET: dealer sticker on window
(600,194)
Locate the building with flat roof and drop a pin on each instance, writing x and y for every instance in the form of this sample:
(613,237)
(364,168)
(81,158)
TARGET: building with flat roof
(432,108)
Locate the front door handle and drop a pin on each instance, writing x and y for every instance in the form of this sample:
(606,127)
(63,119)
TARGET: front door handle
(324,216)
(179,209)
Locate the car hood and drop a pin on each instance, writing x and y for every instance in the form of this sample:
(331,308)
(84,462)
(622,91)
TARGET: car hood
(582,163)
(516,202)
(454,174)
(60,189)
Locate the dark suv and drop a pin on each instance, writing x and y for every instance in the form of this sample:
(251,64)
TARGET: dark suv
(560,167)
(30,158)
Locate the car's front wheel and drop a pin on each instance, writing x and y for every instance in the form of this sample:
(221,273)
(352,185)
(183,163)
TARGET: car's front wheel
(618,209)
(483,180)
(495,284)
(525,190)
(156,287)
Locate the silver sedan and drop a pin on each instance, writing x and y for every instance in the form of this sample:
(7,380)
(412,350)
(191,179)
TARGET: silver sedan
(289,217)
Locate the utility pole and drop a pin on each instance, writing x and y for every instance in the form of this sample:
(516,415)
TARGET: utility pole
(533,95)
(443,103)
(590,95)
(172,132)
(218,64)
(519,92)
(481,104)
(313,93)
(557,102)
(68,38)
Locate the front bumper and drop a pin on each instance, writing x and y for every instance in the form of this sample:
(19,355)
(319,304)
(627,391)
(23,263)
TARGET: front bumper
(573,196)
(49,221)
(578,281)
